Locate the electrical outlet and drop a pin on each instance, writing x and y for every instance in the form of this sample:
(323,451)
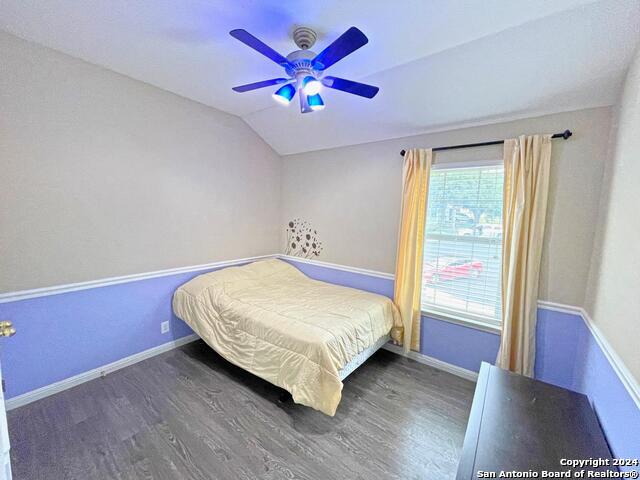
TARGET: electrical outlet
(164,327)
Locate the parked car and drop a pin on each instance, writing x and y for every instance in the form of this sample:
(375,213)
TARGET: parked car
(449,268)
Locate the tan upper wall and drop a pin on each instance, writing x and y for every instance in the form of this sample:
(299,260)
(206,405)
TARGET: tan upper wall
(351,195)
(103,175)
(613,296)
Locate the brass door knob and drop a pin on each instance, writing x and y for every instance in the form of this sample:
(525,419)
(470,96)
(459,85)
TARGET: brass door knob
(6,329)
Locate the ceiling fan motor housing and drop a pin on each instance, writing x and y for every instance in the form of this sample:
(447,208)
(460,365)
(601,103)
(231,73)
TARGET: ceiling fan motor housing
(300,60)
(300,64)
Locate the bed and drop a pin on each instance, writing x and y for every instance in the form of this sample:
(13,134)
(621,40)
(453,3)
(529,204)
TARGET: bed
(300,334)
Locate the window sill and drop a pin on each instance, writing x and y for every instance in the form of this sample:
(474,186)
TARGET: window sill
(465,322)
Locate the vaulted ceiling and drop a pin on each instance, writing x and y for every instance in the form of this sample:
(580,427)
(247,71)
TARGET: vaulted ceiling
(439,64)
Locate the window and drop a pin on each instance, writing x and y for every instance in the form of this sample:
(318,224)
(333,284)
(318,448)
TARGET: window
(463,244)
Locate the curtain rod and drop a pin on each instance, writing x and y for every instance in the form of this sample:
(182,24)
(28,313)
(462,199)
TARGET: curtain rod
(564,135)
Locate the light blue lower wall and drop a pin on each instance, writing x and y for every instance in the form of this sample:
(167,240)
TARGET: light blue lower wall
(60,336)
(461,346)
(568,355)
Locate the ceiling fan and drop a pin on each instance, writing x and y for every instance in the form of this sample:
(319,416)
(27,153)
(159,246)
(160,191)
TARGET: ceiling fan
(305,70)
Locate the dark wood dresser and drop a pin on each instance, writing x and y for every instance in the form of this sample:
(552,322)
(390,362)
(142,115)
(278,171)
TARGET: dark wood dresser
(521,424)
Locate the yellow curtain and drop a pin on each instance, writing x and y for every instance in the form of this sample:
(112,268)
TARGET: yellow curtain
(408,281)
(526,183)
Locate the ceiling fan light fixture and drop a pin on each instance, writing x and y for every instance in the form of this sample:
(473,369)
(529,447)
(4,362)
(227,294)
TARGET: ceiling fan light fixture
(305,70)
(284,94)
(315,102)
(311,85)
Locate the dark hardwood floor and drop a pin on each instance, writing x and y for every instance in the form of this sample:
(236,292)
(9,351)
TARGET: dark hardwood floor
(189,414)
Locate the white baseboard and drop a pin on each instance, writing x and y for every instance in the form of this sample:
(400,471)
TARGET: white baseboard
(434,362)
(70,382)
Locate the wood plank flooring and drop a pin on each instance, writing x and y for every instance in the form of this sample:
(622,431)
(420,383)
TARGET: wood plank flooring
(189,414)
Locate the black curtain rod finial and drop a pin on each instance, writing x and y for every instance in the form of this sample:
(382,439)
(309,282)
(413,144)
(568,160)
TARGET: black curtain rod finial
(565,135)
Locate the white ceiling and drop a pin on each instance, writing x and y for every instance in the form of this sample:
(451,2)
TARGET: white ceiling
(439,64)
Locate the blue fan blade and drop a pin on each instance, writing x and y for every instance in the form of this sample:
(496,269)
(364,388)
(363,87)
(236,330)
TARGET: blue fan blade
(265,83)
(347,43)
(349,86)
(251,41)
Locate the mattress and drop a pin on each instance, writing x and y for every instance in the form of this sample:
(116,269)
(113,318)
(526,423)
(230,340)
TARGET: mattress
(272,320)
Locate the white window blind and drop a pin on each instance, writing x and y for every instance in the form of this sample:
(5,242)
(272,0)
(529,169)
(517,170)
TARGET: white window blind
(463,242)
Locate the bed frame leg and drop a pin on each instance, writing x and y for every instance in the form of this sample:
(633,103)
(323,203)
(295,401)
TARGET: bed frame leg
(285,397)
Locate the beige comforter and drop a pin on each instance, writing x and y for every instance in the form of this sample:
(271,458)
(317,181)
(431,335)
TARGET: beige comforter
(273,321)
